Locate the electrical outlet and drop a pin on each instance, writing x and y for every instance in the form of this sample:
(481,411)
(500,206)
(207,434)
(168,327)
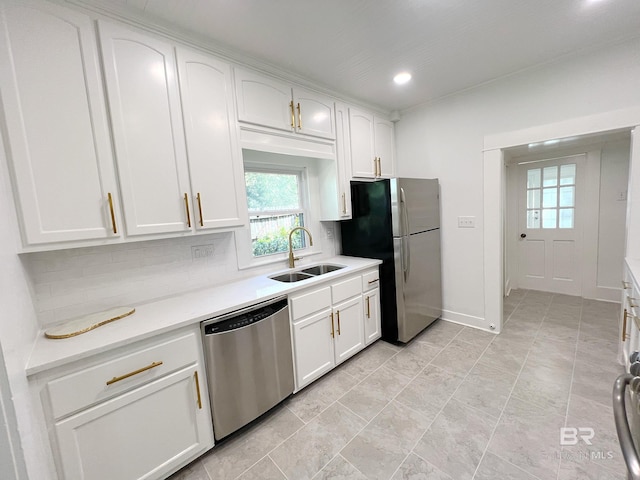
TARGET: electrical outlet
(201,251)
(466,222)
(329,233)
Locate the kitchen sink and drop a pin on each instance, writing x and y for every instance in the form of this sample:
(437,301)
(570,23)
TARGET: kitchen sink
(321,269)
(306,273)
(291,277)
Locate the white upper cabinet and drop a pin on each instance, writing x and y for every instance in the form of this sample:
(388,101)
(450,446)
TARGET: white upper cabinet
(384,146)
(143,94)
(313,114)
(372,145)
(215,163)
(270,103)
(56,123)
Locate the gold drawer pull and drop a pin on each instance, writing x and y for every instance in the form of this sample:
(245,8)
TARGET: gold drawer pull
(368,307)
(624,325)
(293,115)
(332,330)
(200,210)
(186,204)
(113,215)
(299,118)
(630,301)
(131,374)
(626,285)
(195,375)
(338,314)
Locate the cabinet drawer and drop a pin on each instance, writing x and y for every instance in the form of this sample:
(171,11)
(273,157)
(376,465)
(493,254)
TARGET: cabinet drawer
(311,302)
(370,280)
(346,289)
(89,386)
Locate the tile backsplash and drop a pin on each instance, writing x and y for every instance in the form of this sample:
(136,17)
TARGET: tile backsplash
(69,283)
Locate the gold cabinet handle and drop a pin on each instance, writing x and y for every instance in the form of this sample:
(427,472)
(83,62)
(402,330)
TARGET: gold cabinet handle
(293,115)
(373,281)
(338,315)
(344,203)
(135,372)
(368,307)
(626,285)
(200,210)
(186,204)
(624,325)
(195,375)
(379,167)
(332,330)
(299,117)
(375,166)
(113,215)
(630,301)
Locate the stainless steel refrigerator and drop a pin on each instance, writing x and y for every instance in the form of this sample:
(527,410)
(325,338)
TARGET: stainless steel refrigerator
(398,221)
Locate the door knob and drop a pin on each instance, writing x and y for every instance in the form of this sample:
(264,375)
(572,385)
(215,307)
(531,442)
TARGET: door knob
(523,235)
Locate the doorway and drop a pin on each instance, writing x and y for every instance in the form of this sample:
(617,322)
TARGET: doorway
(495,234)
(565,216)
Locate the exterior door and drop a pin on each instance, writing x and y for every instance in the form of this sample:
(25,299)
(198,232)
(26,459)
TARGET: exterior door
(550,224)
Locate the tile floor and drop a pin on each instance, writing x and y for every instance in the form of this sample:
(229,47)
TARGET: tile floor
(455,404)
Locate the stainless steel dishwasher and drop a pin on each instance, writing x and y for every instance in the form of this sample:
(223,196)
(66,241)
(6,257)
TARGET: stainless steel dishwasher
(249,363)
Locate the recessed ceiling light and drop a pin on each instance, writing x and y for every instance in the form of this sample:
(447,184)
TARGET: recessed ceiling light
(402,78)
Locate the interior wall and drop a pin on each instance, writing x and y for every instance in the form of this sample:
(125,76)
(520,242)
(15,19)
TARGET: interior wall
(445,139)
(614,177)
(18,329)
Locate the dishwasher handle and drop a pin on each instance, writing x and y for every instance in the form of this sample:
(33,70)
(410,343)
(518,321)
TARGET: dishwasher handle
(622,426)
(244,317)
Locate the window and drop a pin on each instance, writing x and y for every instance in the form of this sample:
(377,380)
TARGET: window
(275,202)
(551,196)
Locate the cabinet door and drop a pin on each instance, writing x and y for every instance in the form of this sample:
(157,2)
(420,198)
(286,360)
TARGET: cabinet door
(313,114)
(56,124)
(363,157)
(145,433)
(140,73)
(384,146)
(372,329)
(263,101)
(349,328)
(215,160)
(313,347)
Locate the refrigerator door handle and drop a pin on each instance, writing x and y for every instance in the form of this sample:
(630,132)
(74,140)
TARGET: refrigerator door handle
(405,235)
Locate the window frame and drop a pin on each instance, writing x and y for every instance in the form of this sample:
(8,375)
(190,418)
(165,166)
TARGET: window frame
(243,239)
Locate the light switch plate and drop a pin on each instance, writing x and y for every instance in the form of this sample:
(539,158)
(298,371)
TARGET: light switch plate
(466,222)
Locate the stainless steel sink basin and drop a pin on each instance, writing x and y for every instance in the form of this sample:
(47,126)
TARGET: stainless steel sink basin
(291,277)
(306,273)
(321,269)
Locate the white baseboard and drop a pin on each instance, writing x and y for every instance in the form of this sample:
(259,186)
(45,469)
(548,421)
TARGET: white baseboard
(607,294)
(467,320)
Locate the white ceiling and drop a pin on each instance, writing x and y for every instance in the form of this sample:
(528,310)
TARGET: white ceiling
(356,46)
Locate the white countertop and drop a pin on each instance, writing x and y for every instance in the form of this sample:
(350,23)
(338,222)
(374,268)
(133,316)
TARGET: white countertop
(170,313)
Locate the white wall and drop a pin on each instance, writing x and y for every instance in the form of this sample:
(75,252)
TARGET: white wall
(18,328)
(614,177)
(444,139)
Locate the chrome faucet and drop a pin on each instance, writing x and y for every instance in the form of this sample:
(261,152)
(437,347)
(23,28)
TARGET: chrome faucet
(292,260)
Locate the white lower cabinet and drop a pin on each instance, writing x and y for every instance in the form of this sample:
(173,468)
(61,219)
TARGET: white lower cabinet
(329,326)
(138,415)
(349,329)
(313,347)
(372,327)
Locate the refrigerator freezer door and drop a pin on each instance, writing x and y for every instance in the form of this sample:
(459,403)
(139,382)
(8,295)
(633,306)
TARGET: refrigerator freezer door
(420,198)
(418,289)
